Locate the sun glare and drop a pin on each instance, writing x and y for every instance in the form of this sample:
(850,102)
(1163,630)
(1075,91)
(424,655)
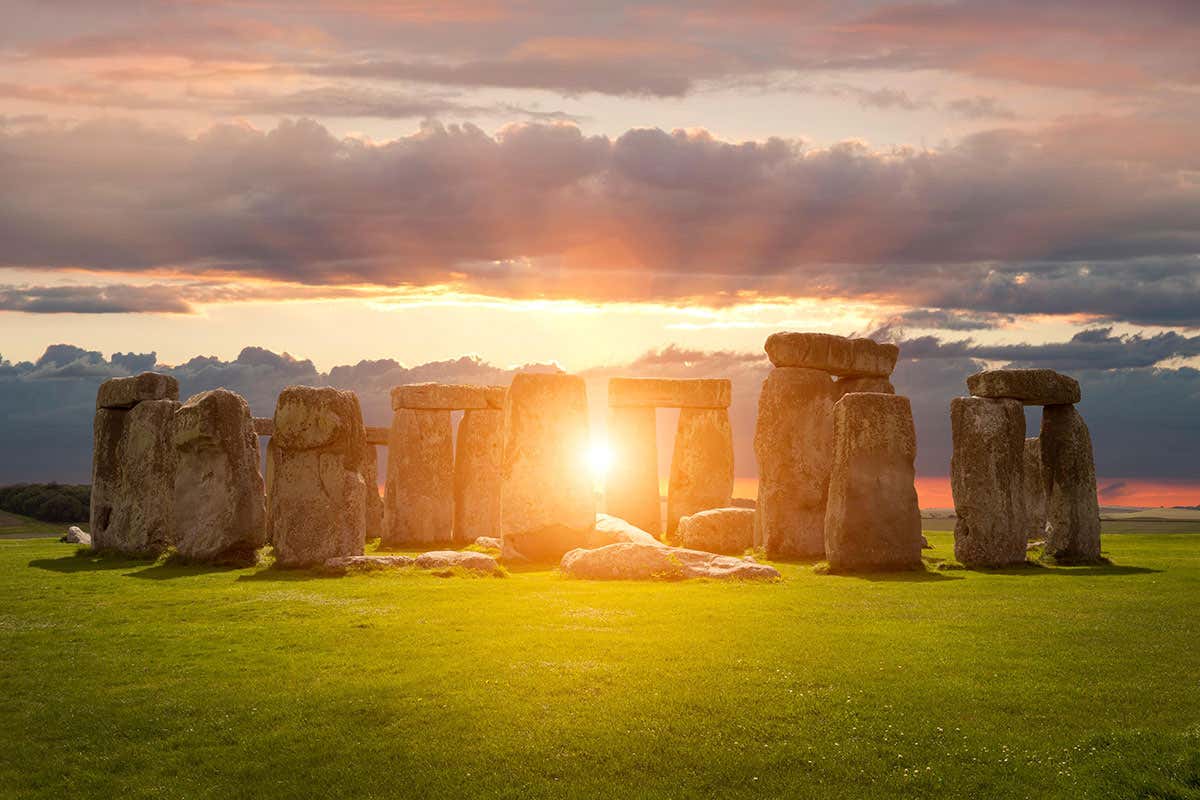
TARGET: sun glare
(599,458)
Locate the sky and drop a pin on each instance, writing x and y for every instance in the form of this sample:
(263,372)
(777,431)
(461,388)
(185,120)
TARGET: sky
(616,188)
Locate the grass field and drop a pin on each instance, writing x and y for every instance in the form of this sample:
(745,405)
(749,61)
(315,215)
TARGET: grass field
(130,679)
(15,526)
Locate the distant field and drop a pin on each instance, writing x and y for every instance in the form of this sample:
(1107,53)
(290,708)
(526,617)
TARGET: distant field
(134,679)
(1106,525)
(14,526)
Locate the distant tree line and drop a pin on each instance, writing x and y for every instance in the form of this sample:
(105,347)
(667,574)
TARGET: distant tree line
(48,502)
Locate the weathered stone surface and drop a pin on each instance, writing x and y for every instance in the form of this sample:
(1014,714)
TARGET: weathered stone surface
(701,465)
(631,487)
(1035,490)
(419,499)
(490,542)
(669,393)
(547,503)
(466,559)
(1033,387)
(76,535)
(377,435)
(987,477)
(264,426)
(873,522)
(128,392)
(218,511)
(133,478)
(477,463)
(644,562)
(834,354)
(441,396)
(793,442)
(373,563)
(374,511)
(869,384)
(316,502)
(1069,472)
(718,530)
(611,530)
(310,418)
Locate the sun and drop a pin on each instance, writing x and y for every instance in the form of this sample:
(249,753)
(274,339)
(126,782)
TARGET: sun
(599,458)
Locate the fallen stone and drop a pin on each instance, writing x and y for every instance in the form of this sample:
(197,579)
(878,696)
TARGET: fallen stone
(76,535)
(547,504)
(873,522)
(925,545)
(631,485)
(1033,387)
(218,507)
(669,393)
(1035,490)
(793,443)
(987,478)
(490,542)
(1069,472)
(440,396)
(644,562)
(701,465)
(478,458)
(316,495)
(857,385)
(718,530)
(611,530)
(128,392)
(373,563)
(834,354)
(466,559)
(133,478)
(419,496)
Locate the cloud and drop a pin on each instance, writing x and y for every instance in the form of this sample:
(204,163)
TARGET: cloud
(995,224)
(112,299)
(1095,348)
(980,107)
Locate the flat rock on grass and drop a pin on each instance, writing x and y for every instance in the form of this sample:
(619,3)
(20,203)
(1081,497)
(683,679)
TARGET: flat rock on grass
(345,564)
(644,562)
(467,559)
(718,530)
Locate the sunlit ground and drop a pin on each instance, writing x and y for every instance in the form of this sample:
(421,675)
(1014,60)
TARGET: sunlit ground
(131,679)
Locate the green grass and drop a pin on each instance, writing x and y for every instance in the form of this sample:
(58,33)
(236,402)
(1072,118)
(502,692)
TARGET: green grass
(131,679)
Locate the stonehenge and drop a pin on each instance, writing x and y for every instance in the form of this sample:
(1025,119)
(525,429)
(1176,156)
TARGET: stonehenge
(133,464)
(1007,488)
(834,444)
(218,509)
(316,495)
(794,439)
(701,474)
(547,503)
(433,493)
(872,521)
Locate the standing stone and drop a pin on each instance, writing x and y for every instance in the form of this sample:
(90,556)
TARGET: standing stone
(987,477)
(1069,472)
(631,490)
(374,508)
(134,476)
(1035,490)
(701,465)
(868,384)
(419,504)
(547,502)
(316,506)
(793,442)
(477,462)
(873,521)
(218,506)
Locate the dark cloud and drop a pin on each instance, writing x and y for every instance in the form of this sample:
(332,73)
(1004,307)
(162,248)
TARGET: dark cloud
(980,107)
(998,223)
(118,299)
(1092,349)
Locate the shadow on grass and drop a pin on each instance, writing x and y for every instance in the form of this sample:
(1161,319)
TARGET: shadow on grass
(905,576)
(173,569)
(1037,568)
(85,561)
(286,575)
